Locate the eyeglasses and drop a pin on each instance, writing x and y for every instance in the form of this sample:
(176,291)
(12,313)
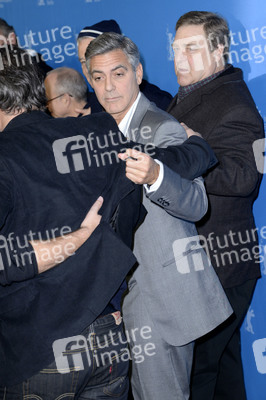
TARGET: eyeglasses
(57,97)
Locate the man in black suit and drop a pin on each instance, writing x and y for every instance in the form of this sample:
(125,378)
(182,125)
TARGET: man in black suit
(214,100)
(60,319)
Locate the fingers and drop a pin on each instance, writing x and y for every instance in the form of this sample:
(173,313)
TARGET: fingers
(97,205)
(184,126)
(140,167)
(92,219)
(131,154)
(189,131)
(83,111)
(135,160)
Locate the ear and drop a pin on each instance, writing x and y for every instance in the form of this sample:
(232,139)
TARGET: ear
(90,80)
(66,100)
(218,55)
(12,39)
(139,73)
(85,70)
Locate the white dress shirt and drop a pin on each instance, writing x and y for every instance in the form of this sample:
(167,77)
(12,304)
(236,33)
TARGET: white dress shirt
(123,127)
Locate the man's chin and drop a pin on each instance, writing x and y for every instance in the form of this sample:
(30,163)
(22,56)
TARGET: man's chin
(183,80)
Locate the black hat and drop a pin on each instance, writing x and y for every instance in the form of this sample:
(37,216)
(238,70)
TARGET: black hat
(97,29)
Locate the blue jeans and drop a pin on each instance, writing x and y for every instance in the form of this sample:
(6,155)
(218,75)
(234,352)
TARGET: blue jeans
(93,365)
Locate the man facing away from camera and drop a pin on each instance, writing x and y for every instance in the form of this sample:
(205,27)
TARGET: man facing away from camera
(178,297)
(61,276)
(214,100)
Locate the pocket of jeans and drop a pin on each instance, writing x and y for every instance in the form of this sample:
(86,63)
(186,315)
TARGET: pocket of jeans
(117,387)
(50,384)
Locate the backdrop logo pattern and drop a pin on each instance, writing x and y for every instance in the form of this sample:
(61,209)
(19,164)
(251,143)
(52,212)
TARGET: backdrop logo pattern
(4,1)
(248,324)
(45,3)
(259,350)
(246,46)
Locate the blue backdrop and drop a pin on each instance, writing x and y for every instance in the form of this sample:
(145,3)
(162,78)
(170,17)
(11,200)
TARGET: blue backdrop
(51,27)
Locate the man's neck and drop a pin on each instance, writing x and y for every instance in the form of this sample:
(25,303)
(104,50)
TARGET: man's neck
(5,118)
(126,120)
(76,105)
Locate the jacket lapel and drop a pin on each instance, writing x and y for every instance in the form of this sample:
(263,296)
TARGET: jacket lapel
(139,114)
(184,106)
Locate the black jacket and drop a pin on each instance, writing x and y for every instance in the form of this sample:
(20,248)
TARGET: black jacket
(48,181)
(224,112)
(49,177)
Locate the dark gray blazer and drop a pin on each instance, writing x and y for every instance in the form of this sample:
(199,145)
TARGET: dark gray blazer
(179,286)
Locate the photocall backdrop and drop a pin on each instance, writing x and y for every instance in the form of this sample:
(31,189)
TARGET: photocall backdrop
(51,26)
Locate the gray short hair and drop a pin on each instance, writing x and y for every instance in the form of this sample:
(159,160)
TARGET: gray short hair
(113,41)
(69,80)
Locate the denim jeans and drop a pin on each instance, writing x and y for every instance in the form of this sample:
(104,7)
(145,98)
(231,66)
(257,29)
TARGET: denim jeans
(93,365)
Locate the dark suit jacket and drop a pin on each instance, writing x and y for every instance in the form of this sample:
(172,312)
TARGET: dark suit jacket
(224,112)
(49,177)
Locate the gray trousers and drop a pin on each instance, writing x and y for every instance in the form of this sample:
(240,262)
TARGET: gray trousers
(160,371)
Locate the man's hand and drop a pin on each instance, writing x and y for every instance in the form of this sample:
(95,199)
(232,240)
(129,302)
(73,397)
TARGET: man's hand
(52,252)
(92,219)
(190,131)
(140,168)
(83,111)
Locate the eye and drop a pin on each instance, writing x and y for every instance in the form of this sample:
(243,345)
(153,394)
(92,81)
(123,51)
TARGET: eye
(192,48)
(97,78)
(119,74)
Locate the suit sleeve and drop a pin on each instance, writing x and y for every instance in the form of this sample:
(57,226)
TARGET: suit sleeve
(190,160)
(6,196)
(180,197)
(16,264)
(232,140)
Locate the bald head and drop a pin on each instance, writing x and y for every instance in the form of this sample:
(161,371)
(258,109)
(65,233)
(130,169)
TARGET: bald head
(66,91)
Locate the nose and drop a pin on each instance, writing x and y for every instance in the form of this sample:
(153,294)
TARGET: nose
(180,54)
(109,84)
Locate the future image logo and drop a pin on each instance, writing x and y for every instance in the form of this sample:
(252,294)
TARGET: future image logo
(259,154)
(71,353)
(189,254)
(78,352)
(71,154)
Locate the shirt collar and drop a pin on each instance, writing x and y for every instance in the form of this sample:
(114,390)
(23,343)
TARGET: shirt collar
(184,91)
(124,124)
(35,116)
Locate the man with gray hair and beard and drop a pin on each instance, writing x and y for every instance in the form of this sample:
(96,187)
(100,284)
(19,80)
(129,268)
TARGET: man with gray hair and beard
(214,100)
